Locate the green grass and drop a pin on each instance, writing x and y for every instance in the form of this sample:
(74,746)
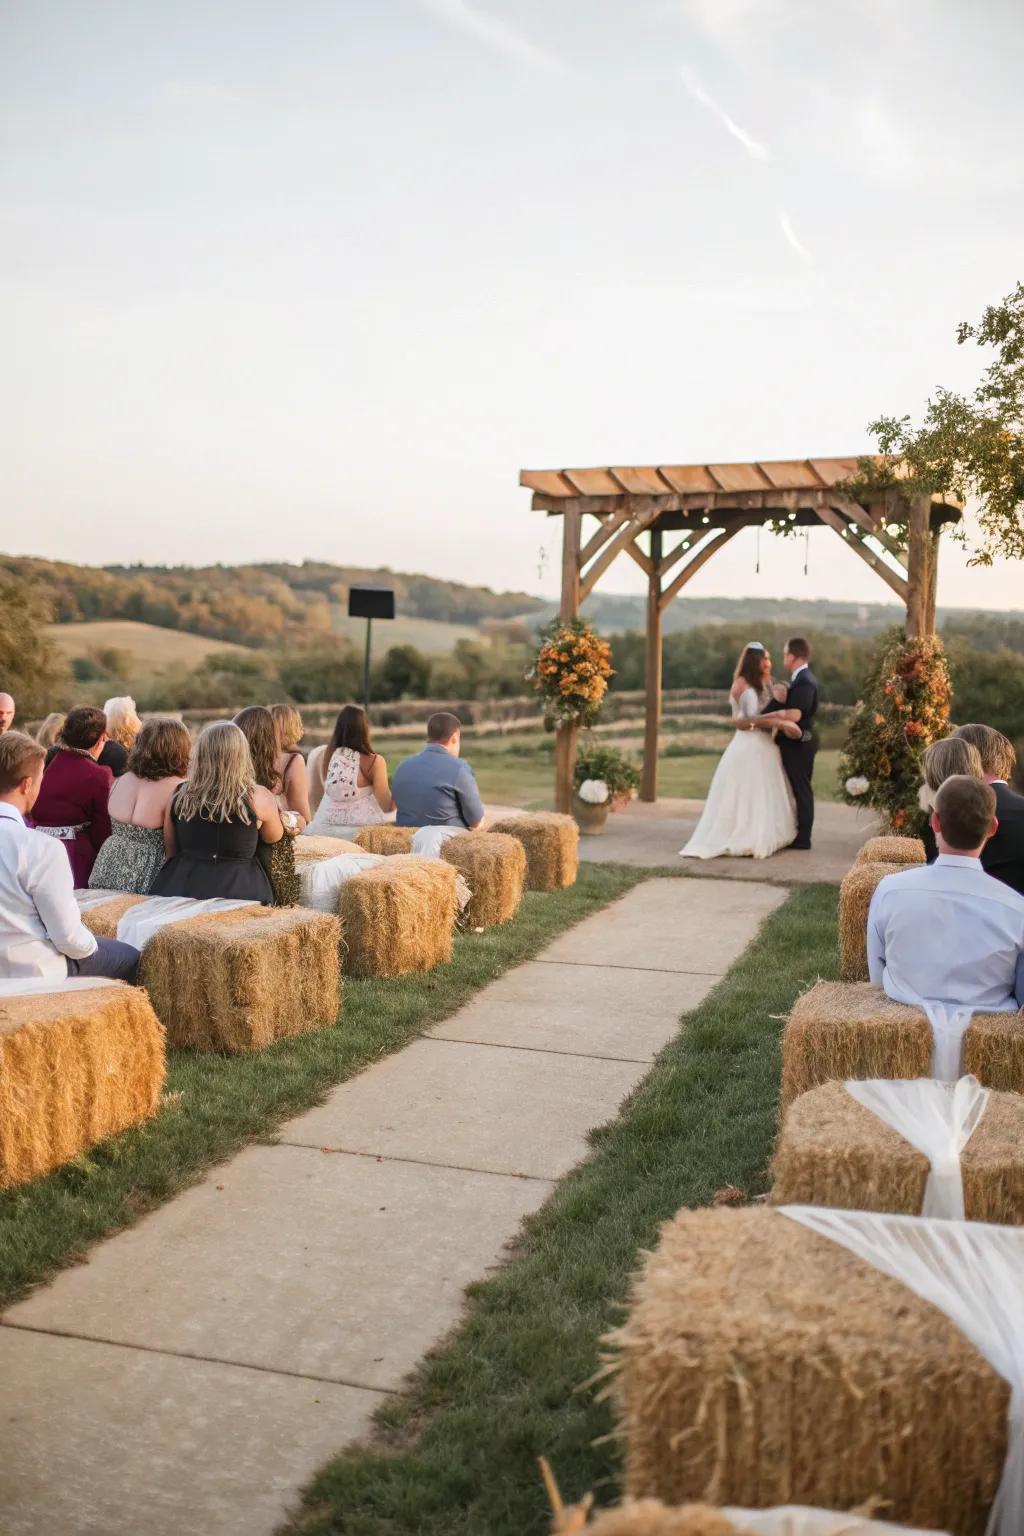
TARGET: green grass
(215,1104)
(457,1452)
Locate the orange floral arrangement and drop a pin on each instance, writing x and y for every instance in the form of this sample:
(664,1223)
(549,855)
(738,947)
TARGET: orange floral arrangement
(904,708)
(571,673)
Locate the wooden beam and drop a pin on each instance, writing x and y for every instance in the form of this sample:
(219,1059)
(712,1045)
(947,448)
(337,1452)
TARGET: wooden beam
(625,536)
(645,564)
(566,735)
(871,524)
(673,559)
(652,674)
(931,599)
(877,564)
(919,549)
(683,501)
(610,524)
(720,537)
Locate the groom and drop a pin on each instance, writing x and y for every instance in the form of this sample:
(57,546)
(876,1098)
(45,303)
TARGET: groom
(797,754)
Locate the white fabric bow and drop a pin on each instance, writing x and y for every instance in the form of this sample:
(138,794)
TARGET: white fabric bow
(938,1119)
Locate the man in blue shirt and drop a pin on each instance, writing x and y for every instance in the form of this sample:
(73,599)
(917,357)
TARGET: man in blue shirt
(948,932)
(435,788)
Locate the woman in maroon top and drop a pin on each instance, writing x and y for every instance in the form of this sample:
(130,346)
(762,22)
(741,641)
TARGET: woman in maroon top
(72,803)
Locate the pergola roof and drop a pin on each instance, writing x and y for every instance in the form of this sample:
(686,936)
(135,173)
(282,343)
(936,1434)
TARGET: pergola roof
(664,479)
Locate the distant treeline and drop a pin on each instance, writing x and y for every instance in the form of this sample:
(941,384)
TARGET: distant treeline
(258,605)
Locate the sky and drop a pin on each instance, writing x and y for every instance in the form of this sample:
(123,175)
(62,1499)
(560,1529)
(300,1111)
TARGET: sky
(316,280)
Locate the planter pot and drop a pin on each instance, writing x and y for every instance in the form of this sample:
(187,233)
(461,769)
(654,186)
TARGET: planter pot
(590,818)
(620,801)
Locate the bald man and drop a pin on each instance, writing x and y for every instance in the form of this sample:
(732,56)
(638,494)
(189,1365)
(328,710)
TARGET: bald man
(6,712)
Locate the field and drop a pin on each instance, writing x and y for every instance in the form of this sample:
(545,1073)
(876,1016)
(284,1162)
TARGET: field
(150,647)
(430,636)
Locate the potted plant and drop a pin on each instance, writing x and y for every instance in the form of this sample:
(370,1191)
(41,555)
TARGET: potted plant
(605,780)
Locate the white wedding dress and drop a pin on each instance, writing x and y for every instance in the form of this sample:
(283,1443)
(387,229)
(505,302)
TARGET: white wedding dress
(749,810)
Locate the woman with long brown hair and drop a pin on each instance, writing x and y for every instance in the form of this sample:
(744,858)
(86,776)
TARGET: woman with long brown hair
(133,854)
(348,780)
(749,810)
(257,725)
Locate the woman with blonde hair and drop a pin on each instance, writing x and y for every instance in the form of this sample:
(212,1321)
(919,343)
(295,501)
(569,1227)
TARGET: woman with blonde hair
(133,854)
(259,729)
(48,733)
(291,768)
(216,821)
(944,758)
(123,725)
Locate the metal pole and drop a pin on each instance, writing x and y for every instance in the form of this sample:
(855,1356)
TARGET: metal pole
(366,667)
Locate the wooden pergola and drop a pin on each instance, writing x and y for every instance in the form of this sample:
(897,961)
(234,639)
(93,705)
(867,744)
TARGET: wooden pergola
(706,505)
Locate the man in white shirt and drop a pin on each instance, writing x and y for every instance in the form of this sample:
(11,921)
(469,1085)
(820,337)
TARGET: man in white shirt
(948,932)
(41,930)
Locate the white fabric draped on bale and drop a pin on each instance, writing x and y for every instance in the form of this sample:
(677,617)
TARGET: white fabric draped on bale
(797,1520)
(35,986)
(938,1119)
(320,880)
(138,925)
(974,1273)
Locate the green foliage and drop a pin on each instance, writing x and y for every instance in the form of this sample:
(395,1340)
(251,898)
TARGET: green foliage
(903,709)
(32,670)
(596,761)
(403,674)
(988,686)
(329,672)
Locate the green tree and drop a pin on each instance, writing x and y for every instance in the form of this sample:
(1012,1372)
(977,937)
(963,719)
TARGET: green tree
(32,669)
(404,673)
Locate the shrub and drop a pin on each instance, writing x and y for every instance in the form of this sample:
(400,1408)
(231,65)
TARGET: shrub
(616,770)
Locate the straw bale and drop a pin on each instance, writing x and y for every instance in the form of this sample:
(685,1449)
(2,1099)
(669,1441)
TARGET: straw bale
(650,1517)
(832,1150)
(237,981)
(552,846)
(891,850)
(103,918)
(398,917)
(494,867)
(75,1068)
(386,838)
(763,1364)
(851,1029)
(314,848)
(855,895)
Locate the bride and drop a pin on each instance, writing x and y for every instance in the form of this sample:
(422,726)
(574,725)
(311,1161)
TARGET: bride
(749,809)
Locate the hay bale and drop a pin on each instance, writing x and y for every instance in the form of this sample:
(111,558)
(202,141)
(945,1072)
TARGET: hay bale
(308,849)
(891,850)
(650,1517)
(237,981)
(851,1029)
(552,846)
(855,893)
(832,1150)
(75,1068)
(763,1364)
(494,867)
(386,838)
(398,917)
(102,920)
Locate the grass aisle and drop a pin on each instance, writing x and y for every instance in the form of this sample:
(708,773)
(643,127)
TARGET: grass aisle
(216,1104)
(459,1449)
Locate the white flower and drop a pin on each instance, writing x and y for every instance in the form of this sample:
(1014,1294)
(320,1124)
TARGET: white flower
(593,791)
(857,785)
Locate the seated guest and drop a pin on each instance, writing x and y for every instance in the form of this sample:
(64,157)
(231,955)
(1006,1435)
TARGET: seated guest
(947,932)
(1003,854)
(72,804)
(435,788)
(41,930)
(278,859)
(291,766)
(123,725)
(134,852)
(216,821)
(50,729)
(6,712)
(348,780)
(942,759)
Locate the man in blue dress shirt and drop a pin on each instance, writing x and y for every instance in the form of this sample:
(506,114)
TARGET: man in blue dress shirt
(435,788)
(948,932)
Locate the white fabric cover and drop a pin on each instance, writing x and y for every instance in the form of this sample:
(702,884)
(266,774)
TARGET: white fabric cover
(796,1520)
(33,986)
(948,1022)
(140,922)
(938,1119)
(321,879)
(427,842)
(94,898)
(974,1273)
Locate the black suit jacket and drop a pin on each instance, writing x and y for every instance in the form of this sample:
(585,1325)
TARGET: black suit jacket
(803,695)
(1003,855)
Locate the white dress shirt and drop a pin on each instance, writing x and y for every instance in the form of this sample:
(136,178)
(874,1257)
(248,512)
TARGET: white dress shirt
(948,932)
(40,923)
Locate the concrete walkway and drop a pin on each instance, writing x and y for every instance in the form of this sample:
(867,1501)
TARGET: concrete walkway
(651,836)
(199,1368)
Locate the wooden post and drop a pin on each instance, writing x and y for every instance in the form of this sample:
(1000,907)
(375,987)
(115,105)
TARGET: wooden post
(566,737)
(652,673)
(933,583)
(919,561)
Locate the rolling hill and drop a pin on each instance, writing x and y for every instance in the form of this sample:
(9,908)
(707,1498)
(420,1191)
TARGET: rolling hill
(151,647)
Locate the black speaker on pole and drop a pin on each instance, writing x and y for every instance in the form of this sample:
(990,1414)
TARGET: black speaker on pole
(370,603)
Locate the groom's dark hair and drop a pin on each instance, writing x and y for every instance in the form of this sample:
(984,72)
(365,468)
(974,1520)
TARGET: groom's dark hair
(798,648)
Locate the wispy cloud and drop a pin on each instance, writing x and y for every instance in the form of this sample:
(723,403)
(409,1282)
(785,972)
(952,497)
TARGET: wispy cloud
(792,238)
(495,34)
(753,147)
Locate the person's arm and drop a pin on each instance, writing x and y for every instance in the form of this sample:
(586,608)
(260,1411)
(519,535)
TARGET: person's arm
(170,841)
(51,886)
(381,787)
(471,806)
(876,939)
(99,822)
(268,814)
(1018,990)
(296,788)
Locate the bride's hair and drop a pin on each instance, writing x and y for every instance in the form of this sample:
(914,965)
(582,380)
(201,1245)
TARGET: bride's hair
(749,667)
